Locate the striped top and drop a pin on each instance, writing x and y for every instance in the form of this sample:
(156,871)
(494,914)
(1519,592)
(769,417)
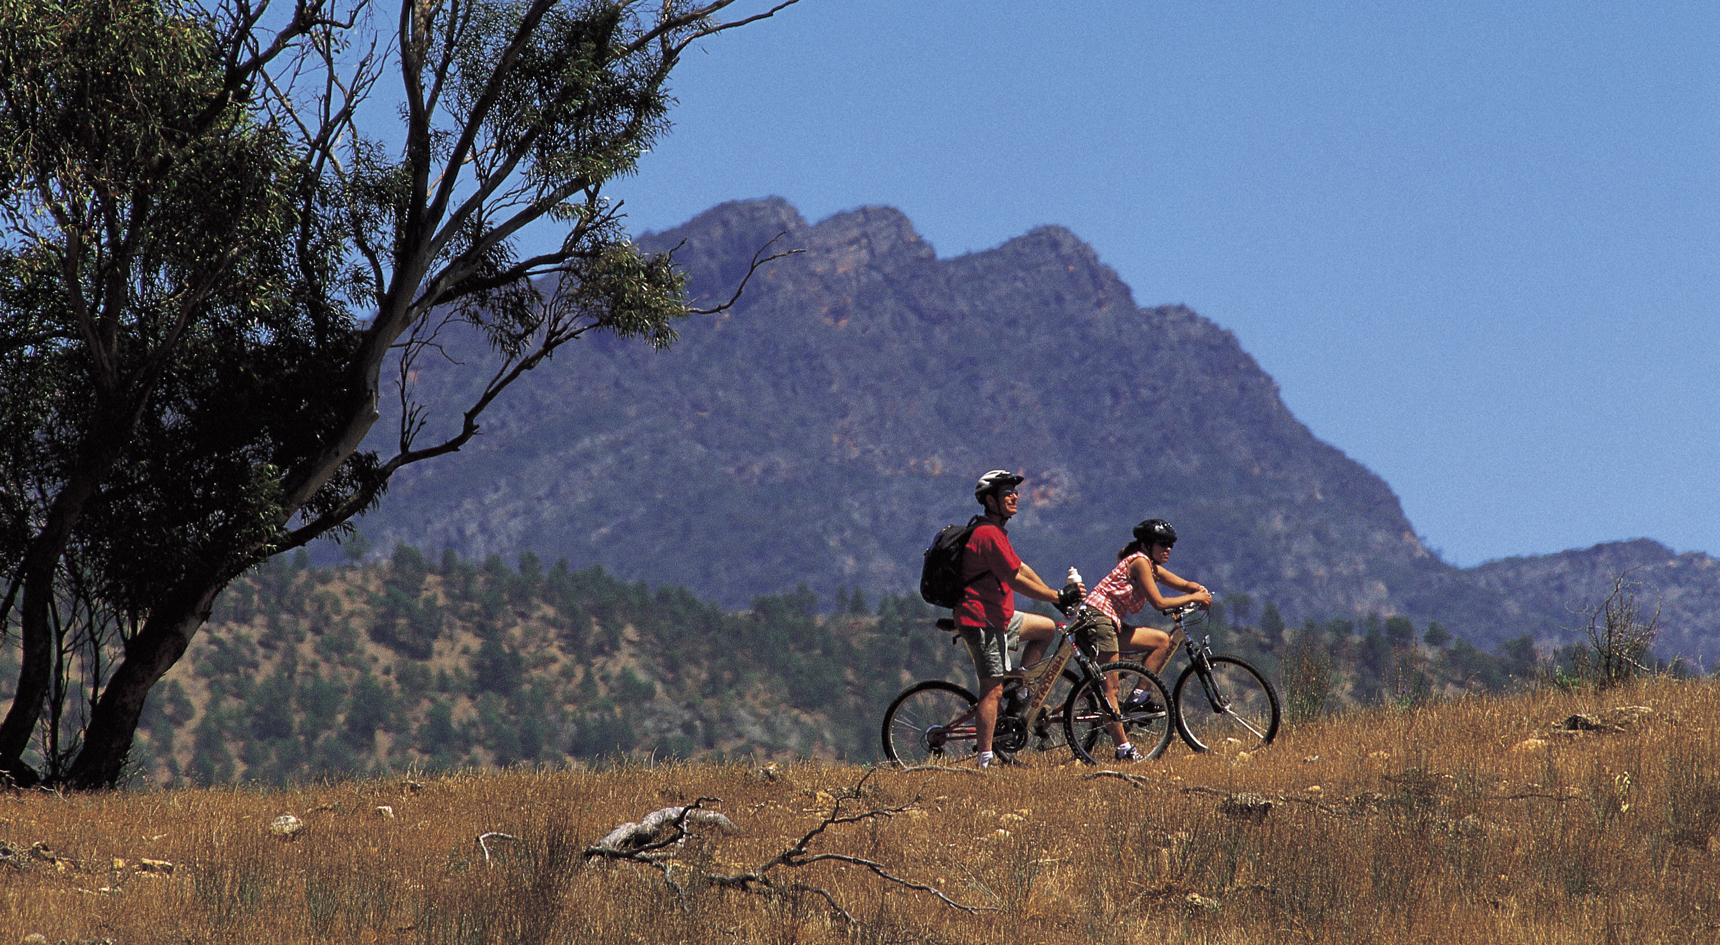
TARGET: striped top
(1117,595)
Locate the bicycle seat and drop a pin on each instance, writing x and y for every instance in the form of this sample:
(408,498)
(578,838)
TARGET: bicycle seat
(947,624)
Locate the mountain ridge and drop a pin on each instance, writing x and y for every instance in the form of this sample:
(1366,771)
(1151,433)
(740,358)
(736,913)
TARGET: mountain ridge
(827,424)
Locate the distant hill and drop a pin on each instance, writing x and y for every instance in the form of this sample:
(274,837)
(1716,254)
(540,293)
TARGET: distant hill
(825,427)
(411,664)
(1542,594)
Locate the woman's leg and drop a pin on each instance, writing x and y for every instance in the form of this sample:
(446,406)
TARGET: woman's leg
(1115,729)
(1152,646)
(1102,636)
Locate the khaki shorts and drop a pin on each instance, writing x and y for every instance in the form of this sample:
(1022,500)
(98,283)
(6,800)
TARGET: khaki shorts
(990,647)
(1101,634)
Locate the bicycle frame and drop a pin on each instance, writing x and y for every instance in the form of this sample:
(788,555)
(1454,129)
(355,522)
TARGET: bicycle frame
(931,716)
(1219,701)
(1200,657)
(1044,674)
(1013,729)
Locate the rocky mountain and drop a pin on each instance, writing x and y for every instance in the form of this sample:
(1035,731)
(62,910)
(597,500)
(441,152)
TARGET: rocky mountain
(822,429)
(1549,596)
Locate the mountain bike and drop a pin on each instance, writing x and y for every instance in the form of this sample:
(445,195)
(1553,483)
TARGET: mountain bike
(934,722)
(1219,701)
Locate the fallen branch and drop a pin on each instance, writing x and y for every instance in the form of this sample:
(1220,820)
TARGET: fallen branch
(660,829)
(653,842)
(651,839)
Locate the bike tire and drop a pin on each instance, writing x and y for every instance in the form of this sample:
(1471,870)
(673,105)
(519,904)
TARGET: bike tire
(1244,718)
(1087,713)
(917,727)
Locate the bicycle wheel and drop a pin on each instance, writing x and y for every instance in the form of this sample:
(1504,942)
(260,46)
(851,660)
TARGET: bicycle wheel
(930,723)
(1233,707)
(1146,721)
(1046,733)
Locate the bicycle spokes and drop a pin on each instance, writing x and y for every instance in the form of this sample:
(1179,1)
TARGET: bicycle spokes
(1225,703)
(930,722)
(1097,720)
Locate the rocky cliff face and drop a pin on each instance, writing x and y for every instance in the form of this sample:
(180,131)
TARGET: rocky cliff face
(826,426)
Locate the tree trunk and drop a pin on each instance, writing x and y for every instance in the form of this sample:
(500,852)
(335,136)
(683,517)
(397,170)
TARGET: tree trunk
(36,637)
(175,618)
(36,645)
(157,647)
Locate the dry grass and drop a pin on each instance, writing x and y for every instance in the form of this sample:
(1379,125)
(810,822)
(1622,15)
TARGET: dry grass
(1435,825)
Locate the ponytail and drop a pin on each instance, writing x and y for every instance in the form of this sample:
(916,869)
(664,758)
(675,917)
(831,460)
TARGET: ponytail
(1134,547)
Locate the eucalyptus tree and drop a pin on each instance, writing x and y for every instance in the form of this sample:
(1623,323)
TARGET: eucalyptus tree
(216,260)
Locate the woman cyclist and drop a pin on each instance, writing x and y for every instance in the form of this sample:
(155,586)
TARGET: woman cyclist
(1132,584)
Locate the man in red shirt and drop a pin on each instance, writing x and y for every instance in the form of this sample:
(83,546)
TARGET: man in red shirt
(991,571)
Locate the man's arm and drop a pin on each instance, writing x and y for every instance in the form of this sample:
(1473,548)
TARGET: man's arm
(1026,582)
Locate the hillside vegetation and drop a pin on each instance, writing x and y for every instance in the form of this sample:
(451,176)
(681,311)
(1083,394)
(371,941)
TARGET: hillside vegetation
(1549,817)
(409,665)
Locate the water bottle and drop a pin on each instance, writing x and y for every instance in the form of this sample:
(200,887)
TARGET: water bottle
(1073,580)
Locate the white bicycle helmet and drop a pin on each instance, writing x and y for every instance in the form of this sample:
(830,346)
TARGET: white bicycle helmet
(996,479)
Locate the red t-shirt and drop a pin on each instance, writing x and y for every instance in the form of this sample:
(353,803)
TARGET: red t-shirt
(987,601)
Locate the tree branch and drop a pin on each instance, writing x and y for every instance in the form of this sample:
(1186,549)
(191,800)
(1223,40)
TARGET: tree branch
(671,25)
(659,856)
(751,268)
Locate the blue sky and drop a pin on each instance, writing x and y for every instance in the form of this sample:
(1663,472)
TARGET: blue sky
(1476,243)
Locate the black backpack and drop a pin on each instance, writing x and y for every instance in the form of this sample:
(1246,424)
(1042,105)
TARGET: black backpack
(941,581)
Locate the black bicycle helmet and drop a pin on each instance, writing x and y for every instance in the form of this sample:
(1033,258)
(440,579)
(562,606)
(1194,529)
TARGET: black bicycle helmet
(996,479)
(1156,531)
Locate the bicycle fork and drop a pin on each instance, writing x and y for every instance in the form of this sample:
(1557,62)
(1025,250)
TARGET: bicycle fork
(1199,659)
(1197,656)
